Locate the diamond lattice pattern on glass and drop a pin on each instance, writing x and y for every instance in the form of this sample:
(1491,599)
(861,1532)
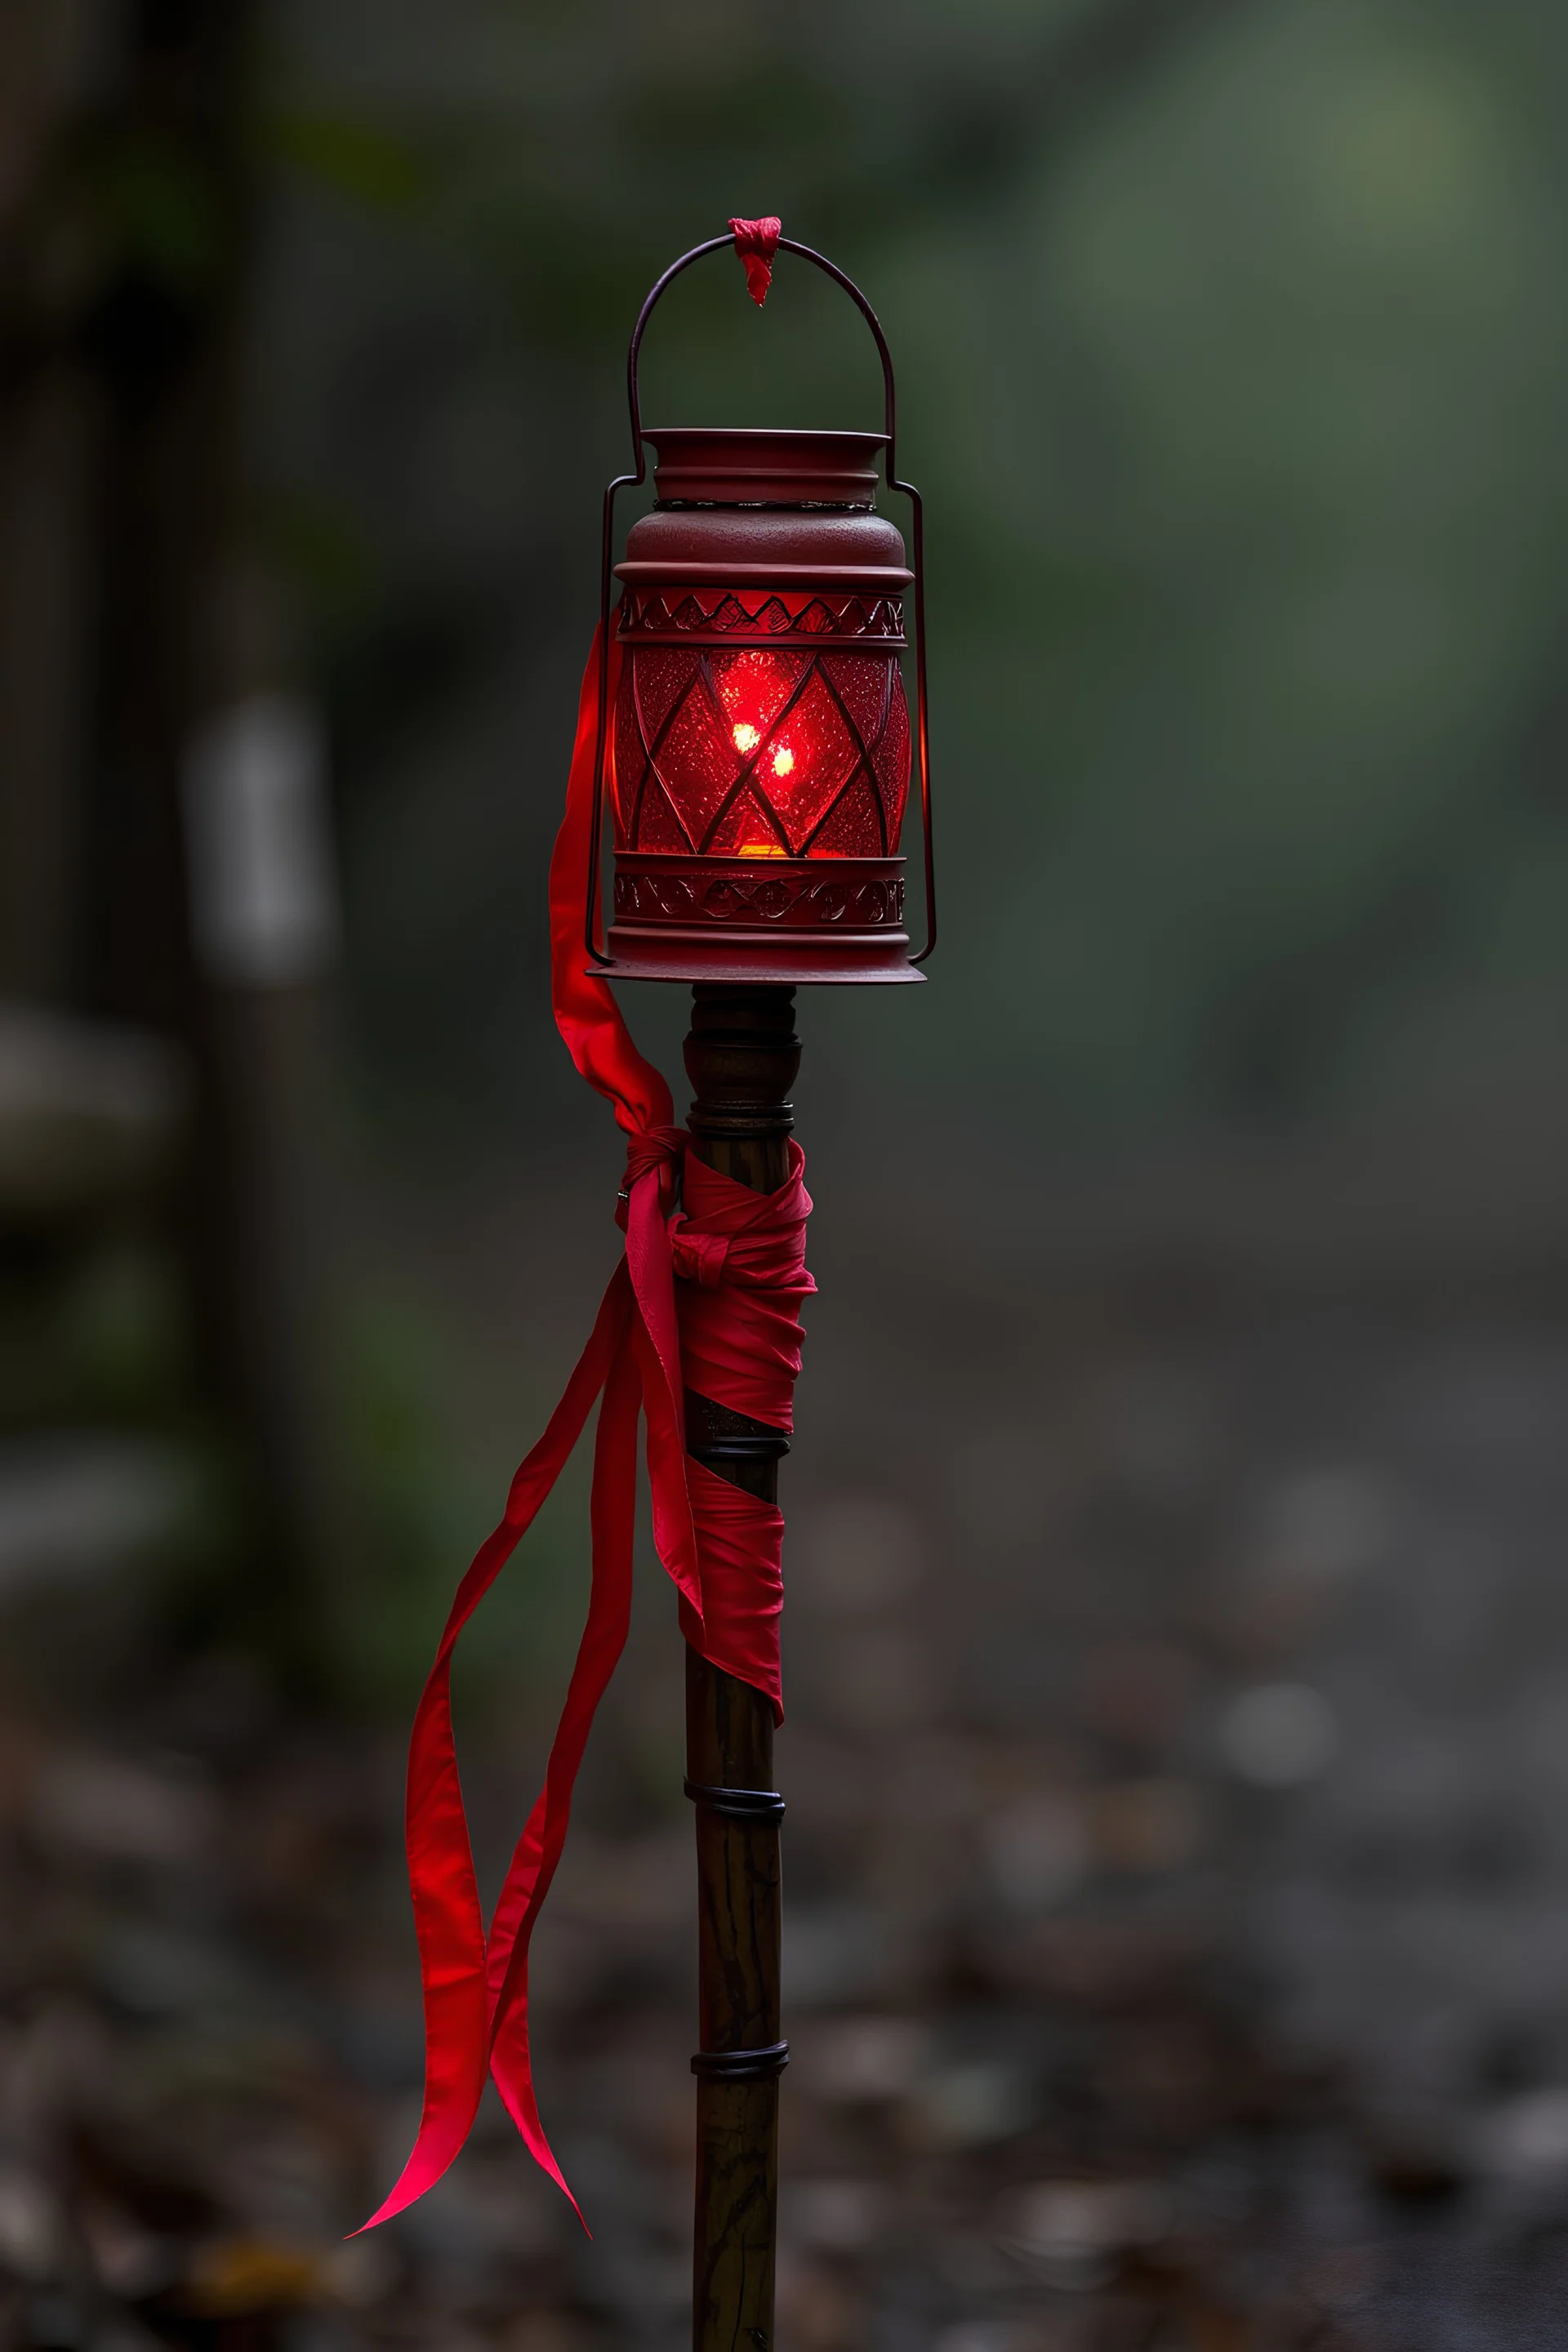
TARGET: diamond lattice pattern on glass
(757,751)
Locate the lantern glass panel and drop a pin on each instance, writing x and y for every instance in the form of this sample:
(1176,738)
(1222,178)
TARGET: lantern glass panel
(761,751)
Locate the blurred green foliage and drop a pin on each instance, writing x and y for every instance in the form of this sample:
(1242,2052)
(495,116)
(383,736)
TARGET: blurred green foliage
(1233,348)
(431,1475)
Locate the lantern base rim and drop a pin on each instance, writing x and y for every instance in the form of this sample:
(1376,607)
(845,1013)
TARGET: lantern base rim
(686,961)
(737,975)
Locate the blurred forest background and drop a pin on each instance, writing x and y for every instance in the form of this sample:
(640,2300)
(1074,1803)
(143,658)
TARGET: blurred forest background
(1178,1678)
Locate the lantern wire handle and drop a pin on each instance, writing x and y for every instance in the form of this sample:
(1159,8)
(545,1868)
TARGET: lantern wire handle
(634,480)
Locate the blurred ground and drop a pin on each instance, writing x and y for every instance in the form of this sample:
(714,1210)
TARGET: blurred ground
(1176,1925)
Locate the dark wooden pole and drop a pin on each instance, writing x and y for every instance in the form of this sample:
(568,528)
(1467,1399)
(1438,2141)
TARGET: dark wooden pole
(742,1057)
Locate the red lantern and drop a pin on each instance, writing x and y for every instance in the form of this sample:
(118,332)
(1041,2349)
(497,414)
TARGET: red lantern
(759,749)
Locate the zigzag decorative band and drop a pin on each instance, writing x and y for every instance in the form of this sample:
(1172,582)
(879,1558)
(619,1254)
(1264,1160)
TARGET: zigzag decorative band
(674,613)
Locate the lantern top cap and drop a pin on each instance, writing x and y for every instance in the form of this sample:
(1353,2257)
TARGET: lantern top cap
(700,465)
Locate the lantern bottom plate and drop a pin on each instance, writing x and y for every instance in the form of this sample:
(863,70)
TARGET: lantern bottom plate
(882,962)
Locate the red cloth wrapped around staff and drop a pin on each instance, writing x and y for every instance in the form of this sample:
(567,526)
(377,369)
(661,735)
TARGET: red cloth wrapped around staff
(708,1295)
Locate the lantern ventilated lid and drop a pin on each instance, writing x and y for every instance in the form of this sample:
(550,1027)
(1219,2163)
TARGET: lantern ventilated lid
(700,465)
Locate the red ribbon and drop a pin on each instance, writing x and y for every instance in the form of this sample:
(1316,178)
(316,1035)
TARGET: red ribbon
(707,1293)
(756,242)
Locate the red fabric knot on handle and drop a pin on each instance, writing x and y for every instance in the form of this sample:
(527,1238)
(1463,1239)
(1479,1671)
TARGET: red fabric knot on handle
(706,1296)
(756,242)
(660,1150)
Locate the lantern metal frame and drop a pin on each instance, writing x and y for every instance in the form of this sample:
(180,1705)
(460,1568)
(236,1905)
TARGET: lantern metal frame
(634,481)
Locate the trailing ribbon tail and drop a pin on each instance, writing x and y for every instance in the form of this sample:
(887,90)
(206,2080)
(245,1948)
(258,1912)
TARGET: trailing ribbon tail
(459,2006)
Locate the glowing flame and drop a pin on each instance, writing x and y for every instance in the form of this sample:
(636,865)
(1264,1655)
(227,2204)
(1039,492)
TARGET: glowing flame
(746,738)
(783,763)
